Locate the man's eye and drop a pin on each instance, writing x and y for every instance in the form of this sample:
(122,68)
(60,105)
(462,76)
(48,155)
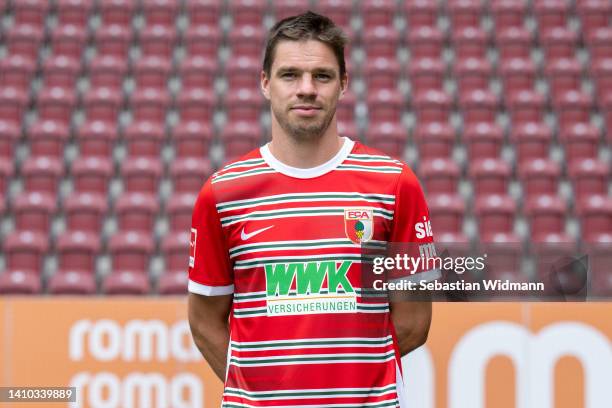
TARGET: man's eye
(288,75)
(324,77)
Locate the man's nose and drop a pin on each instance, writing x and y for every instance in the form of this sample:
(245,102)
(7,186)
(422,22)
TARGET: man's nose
(306,85)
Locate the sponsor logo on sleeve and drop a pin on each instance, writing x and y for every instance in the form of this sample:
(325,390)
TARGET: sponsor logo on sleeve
(192,247)
(423,229)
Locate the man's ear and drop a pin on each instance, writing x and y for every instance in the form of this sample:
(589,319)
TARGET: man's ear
(264,84)
(343,85)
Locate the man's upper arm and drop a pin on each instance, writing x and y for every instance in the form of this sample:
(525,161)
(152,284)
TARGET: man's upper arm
(209,309)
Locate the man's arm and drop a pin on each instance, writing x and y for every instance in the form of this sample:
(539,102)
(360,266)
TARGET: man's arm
(208,320)
(411,320)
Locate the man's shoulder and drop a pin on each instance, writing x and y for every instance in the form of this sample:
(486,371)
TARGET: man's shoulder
(376,157)
(235,167)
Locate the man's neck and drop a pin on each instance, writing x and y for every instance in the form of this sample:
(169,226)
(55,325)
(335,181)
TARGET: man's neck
(305,154)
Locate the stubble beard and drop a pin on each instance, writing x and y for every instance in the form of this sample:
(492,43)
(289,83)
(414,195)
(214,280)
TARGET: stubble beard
(303,130)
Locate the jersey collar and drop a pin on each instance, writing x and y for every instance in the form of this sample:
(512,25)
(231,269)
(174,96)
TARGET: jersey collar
(311,172)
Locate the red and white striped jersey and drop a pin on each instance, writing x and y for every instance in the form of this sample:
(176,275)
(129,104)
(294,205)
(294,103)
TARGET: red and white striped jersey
(286,243)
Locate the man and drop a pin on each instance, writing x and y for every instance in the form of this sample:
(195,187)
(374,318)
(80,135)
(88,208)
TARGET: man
(275,303)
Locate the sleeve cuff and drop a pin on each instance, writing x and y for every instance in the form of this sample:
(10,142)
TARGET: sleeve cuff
(426,276)
(199,289)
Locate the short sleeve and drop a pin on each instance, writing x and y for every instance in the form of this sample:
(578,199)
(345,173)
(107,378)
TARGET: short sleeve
(210,271)
(411,222)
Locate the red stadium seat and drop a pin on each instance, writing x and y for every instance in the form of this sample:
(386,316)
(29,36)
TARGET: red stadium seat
(349,130)
(483,140)
(179,209)
(513,42)
(490,176)
(551,13)
(589,177)
(136,212)
(240,138)
(6,171)
(107,71)
(508,13)
(470,42)
(203,12)
(25,250)
(495,214)
(546,215)
(203,40)
(243,72)
(440,176)
(24,40)
(144,138)
(378,13)
(432,106)
(9,136)
(150,105)
(559,42)
(580,140)
(157,40)
(72,283)
(61,72)
(478,106)
(246,12)
(425,42)
(188,175)
(69,41)
(539,176)
(595,212)
(96,138)
(388,137)
(382,73)
(74,12)
(85,211)
(563,75)
(17,71)
(381,41)
(92,174)
(152,72)
(447,212)
(192,139)
(30,11)
(117,12)
(472,74)
(517,74)
(526,106)
(160,12)
(531,140)
(33,211)
(141,175)
(601,72)
(421,13)
(103,104)
(175,248)
(47,138)
(113,40)
(126,283)
(345,110)
(594,14)
(77,251)
(434,140)
(385,105)
(56,104)
(42,174)
(600,257)
(196,105)
(198,72)
(131,251)
(464,13)
(426,74)
(599,43)
(573,107)
(13,102)
(606,107)
(173,283)
(243,104)
(286,8)
(18,282)
(338,10)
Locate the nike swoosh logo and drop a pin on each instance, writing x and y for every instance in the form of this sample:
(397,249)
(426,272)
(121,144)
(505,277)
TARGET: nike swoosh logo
(245,236)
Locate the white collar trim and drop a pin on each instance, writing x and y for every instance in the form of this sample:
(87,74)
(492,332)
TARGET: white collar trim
(309,172)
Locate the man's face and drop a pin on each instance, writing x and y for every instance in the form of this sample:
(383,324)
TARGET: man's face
(303,88)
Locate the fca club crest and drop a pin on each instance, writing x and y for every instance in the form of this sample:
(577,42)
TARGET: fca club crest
(359,224)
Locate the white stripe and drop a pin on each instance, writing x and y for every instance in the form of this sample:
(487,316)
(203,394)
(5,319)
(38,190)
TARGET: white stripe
(233,176)
(320,393)
(250,343)
(315,346)
(291,248)
(349,405)
(261,261)
(298,212)
(198,288)
(244,163)
(389,358)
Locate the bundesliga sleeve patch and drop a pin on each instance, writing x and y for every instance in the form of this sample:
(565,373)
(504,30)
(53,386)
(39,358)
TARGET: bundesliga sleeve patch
(359,224)
(192,247)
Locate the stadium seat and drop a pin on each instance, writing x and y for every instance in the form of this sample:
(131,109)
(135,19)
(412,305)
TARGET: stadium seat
(13,102)
(179,209)
(490,176)
(17,71)
(470,42)
(478,106)
(425,42)
(432,106)
(573,107)
(241,104)
(551,13)
(483,140)
(526,106)
(505,254)
(387,137)
(599,43)
(42,174)
(580,140)
(192,139)
(472,74)
(113,40)
(594,14)
(425,74)
(117,12)
(68,41)
(349,130)
(589,177)
(175,248)
(56,104)
(33,211)
(434,139)
(107,71)
(382,73)
(563,74)
(9,136)
(447,212)
(246,12)
(495,214)
(203,40)
(508,13)
(440,176)
(559,42)
(92,174)
(421,13)
(173,283)
(157,40)
(243,72)
(74,12)
(513,42)
(25,250)
(606,108)
(131,251)
(240,138)
(601,72)
(141,175)
(189,174)
(203,12)
(464,13)
(72,283)
(198,72)
(126,283)
(152,72)
(339,11)
(96,138)
(6,171)
(85,211)
(599,250)
(144,138)
(531,140)
(136,212)
(18,282)
(286,8)
(381,41)
(61,72)
(77,251)
(150,105)
(345,110)
(546,215)
(24,40)
(595,212)
(47,138)
(103,104)
(30,11)
(539,176)
(196,105)
(517,74)
(385,105)
(378,13)
(160,12)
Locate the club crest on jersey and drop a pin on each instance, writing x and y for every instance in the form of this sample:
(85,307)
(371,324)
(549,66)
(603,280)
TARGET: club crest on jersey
(359,224)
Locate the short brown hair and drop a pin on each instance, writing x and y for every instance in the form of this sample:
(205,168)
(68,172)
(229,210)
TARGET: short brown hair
(306,26)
